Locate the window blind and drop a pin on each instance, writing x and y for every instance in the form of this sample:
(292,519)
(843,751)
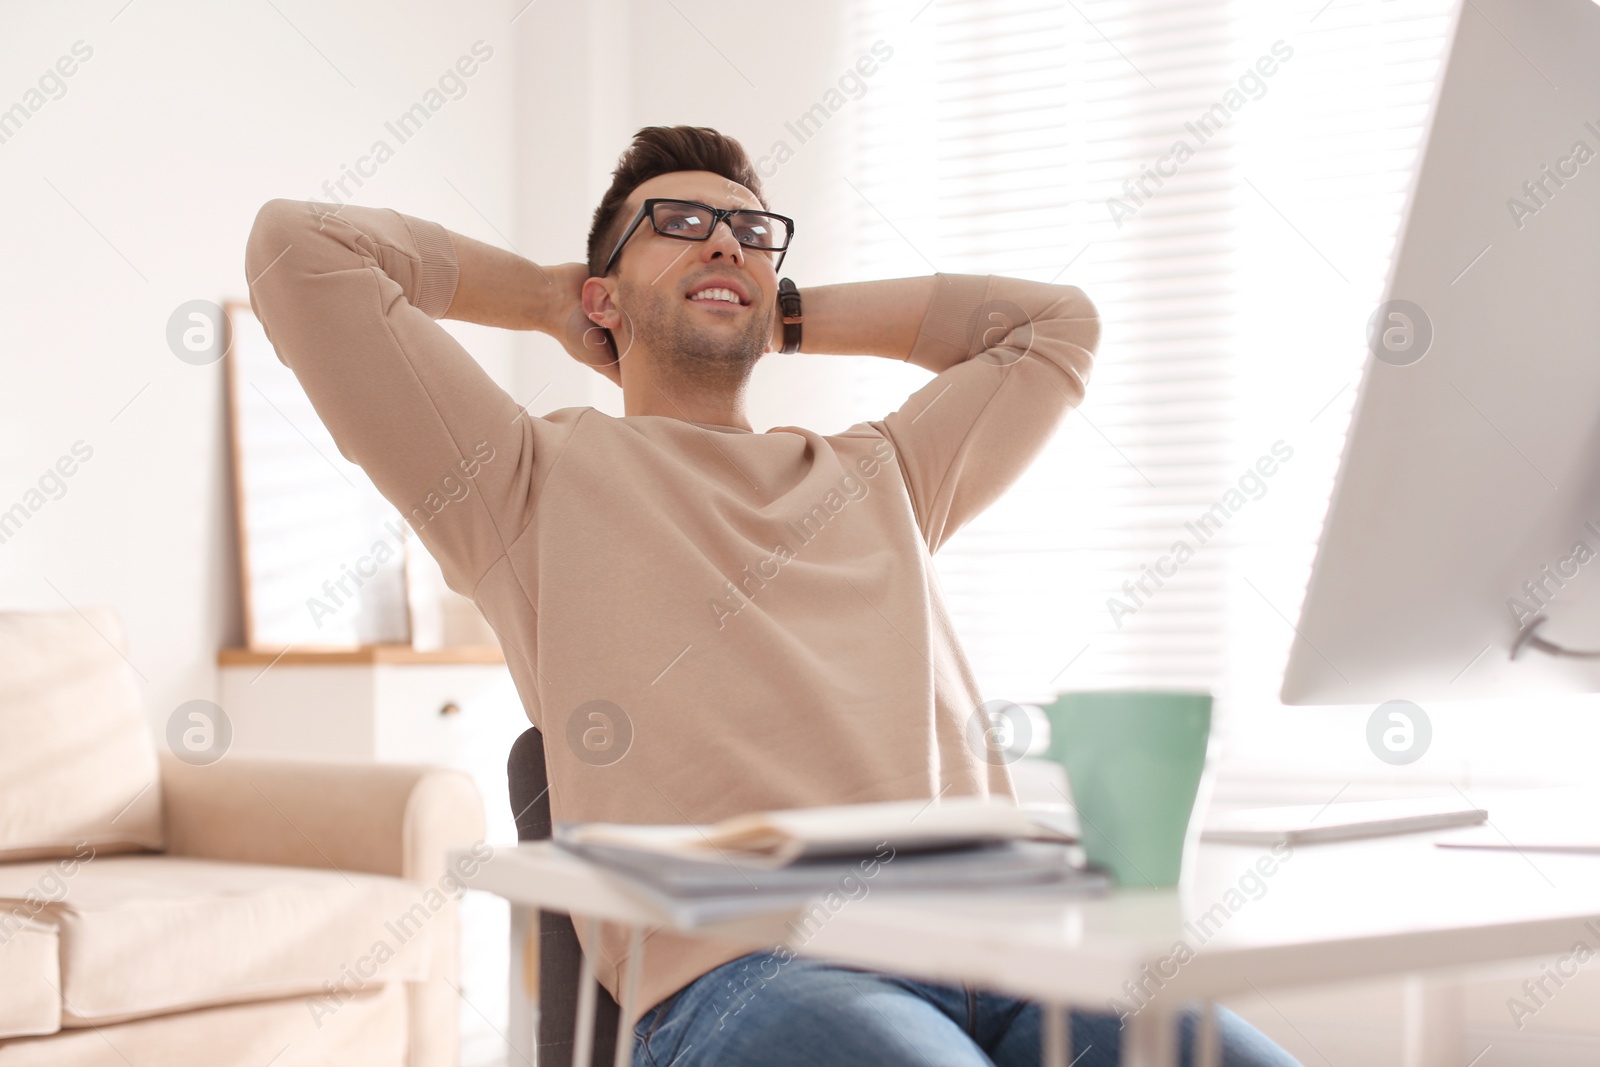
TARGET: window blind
(1039,140)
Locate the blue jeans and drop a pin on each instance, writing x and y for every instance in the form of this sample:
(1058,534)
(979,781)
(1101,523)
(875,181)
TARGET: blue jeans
(776,1011)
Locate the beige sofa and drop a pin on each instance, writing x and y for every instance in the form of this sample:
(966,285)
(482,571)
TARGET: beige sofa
(156,913)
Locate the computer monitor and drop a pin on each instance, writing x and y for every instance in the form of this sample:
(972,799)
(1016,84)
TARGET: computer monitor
(1462,540)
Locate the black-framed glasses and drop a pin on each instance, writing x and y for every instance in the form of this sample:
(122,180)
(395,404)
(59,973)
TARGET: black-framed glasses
(689,220)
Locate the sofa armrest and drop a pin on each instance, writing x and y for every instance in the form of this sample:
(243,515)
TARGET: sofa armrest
(382,818)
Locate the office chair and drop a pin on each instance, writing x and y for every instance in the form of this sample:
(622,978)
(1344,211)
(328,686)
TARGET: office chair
(559,952)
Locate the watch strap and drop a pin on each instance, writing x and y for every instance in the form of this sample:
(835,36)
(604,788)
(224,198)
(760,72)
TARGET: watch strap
(789,307)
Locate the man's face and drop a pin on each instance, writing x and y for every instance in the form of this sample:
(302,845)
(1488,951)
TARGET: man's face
(709,343)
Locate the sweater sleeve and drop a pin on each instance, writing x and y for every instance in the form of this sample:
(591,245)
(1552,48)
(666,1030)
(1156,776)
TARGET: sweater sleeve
(1012,358)
(348,301)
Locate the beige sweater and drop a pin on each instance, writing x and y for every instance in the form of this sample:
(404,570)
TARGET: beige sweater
(703,621)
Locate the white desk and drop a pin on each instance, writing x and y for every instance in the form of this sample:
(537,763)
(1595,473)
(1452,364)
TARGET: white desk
(1329,913)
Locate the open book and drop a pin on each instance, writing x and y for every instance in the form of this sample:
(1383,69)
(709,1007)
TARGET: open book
(777,838)
(781,859)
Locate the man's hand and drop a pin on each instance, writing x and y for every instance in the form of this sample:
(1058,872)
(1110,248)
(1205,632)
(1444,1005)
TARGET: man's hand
(565,321)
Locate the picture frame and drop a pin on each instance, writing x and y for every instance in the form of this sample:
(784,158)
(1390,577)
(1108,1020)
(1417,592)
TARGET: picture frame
(309,523)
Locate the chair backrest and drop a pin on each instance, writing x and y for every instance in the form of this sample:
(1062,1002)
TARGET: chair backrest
(559,951)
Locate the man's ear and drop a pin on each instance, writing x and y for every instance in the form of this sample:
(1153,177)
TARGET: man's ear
(600,308)
(599,303)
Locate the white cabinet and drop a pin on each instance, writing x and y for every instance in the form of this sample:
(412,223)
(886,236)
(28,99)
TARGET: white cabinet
(454,706)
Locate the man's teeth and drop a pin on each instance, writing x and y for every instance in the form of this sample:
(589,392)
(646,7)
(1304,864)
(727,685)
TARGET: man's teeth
(716,294)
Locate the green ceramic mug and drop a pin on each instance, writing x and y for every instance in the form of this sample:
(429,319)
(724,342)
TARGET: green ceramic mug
(1135,760)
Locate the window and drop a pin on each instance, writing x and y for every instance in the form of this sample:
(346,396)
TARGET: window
(1234,280)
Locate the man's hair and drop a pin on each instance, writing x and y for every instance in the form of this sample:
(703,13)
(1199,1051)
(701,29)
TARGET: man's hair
(660,150)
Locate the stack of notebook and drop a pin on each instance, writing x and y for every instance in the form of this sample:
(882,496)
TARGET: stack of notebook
(781,860)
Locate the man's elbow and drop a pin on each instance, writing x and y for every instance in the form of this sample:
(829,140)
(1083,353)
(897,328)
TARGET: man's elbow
(272,235)
(1071,324)
(1052,310)
(1085,318)
(277,220)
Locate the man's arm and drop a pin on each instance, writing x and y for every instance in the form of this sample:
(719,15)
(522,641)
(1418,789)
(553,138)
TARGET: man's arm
(500,288)
(1010,357)
(889,318)
(879,318)
(348,300)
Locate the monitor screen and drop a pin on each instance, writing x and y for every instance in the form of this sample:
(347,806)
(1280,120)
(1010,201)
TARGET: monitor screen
(1467,506)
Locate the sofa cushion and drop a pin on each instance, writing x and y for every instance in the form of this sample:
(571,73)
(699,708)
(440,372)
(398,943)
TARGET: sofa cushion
(146,935)
(79,762)
(370,1031)
(30,974)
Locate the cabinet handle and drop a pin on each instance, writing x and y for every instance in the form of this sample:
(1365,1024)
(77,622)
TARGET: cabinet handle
(450,707)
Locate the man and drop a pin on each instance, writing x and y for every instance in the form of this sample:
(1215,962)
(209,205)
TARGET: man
(703,621)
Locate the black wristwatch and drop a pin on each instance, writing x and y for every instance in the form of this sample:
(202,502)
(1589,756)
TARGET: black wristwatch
(789,305)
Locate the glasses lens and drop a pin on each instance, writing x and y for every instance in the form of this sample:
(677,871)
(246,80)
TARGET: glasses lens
(760,231)
(678,218)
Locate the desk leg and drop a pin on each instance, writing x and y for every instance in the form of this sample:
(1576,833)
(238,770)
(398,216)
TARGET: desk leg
(1057,1036)
(522,1033)
(583,1043)
(1433,1030)
(630,992)
(1149,1038)
(1208,1040)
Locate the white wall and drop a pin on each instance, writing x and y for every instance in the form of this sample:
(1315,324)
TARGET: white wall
(134,191)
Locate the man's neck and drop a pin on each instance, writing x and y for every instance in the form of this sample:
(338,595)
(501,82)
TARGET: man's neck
(697,406)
